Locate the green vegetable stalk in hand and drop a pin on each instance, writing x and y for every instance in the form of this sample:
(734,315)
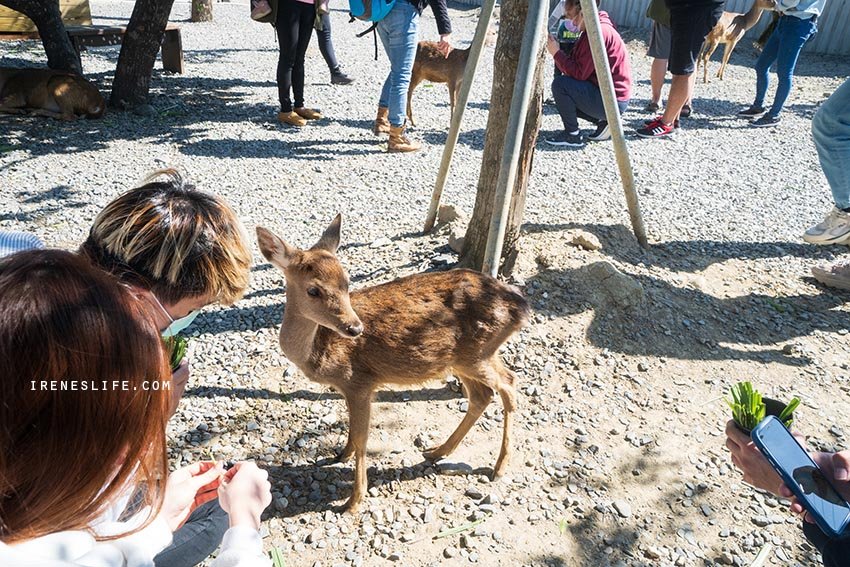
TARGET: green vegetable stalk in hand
(177,346)
(749,409)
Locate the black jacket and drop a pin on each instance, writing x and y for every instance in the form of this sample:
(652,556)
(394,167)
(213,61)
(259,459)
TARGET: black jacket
(441,12)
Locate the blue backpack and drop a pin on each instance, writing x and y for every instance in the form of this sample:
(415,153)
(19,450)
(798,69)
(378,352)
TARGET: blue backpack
(370,11)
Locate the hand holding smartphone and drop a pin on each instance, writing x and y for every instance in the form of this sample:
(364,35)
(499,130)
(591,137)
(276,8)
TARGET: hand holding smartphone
(803,477)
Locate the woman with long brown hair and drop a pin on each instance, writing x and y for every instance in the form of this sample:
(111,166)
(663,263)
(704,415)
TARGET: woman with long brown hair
(84,404)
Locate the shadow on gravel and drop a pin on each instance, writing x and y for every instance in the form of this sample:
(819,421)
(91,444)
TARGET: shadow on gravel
(686,322)
(50,201)
(471,138)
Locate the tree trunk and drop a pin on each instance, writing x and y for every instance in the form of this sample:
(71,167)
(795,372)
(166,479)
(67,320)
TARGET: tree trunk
(48,19)
(138,52)
(513,14)
(202,10)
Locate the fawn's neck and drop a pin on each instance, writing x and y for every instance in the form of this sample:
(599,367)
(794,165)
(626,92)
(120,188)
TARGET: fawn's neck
(753,15)
(297,336)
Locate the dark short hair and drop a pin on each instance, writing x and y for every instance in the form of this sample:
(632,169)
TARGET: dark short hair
(577,3)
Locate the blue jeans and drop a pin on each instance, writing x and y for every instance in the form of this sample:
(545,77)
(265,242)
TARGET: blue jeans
(579,99)
(783,47)
(831,133)
(195,540)
(399,32)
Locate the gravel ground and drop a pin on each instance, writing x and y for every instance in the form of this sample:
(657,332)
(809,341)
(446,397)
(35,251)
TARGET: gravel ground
(723,294)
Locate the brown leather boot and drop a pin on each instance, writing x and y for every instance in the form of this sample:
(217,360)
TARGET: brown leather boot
(401,143)
(308,113)
(291,118)
(382,122)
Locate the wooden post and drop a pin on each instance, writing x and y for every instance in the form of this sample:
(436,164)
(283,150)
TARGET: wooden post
(612,114)
(534,25)
(460,105)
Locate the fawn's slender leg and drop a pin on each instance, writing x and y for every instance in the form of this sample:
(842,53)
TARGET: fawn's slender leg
(508,394)
(415,79)
(359,413)
(706,60)
(727,53)
(348,450)
(479,398)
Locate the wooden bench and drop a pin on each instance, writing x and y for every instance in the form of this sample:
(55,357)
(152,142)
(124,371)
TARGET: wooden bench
(76,14)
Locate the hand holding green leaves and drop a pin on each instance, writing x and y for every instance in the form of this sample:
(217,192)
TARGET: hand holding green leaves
(749,409)
(177,346)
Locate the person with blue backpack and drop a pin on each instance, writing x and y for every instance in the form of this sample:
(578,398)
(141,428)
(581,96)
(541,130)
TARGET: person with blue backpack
(397,23)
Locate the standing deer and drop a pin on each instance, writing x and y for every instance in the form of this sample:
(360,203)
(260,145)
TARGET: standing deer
(729,30)
(405,332)
(431,65)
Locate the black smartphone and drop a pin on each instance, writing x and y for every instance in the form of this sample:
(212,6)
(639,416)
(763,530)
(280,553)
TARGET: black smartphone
(802,476)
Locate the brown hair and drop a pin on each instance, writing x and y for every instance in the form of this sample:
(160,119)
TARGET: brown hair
(64,455)
(170,238)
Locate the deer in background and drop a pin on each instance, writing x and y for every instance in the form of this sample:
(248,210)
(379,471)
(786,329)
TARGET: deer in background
(407,331)
(729,30)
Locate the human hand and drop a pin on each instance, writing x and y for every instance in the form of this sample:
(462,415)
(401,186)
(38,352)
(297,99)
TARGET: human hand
(187,488)
(552,46)
(836,468)
(745,455)
(244,493)
(179,380)
(444,47)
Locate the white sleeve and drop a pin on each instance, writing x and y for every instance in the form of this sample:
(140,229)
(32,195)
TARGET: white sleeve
(241,547)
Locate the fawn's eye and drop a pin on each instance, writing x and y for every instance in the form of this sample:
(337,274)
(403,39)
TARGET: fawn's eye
(313,292)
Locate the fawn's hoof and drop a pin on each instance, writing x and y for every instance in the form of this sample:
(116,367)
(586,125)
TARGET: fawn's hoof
(344,455)
(352,506)
(434,453)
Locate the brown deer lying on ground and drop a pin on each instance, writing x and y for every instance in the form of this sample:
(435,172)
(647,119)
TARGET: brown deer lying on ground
(46,92)
(431,65)
(405,332)
(729,31)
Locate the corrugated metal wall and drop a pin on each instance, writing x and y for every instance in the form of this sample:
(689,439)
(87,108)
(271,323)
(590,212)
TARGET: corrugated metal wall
(833,26)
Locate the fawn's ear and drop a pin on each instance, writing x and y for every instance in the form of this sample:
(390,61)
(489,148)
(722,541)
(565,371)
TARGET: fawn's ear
(330,239)
(274,248)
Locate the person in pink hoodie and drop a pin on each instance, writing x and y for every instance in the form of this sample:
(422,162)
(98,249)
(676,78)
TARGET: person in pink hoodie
(576,91)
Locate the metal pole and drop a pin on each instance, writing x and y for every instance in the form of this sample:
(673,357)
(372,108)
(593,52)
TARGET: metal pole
(534,24)
(460,105)
(606,86)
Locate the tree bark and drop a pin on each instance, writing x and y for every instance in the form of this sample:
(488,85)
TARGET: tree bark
(138,52)
(513,14)
(202,10)
(48,19)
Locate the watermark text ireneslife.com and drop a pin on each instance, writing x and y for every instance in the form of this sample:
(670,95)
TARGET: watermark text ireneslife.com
(97,386)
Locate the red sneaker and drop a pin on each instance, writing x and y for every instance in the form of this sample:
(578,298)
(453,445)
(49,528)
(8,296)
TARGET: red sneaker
(656,129)
(657,118)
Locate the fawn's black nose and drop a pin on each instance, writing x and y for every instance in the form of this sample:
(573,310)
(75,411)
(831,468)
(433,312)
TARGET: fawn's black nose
(354,330)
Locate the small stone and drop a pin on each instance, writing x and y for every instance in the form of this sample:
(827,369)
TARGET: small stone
(252,426)
(652,553)
(474,493)
(623,508)
(380,242)
(450,552)
(144,110)
(454,469)
(586,240)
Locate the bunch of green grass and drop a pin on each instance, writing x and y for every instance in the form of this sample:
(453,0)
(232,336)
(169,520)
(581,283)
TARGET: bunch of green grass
(177,346)
(748,407)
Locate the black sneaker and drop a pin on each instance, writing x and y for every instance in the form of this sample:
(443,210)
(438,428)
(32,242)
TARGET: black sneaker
(340,78)
(602,133)
(564,139)
(766,121)
(752,112)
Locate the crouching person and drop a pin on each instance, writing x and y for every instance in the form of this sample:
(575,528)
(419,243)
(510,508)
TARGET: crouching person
(82,430)
(576,90)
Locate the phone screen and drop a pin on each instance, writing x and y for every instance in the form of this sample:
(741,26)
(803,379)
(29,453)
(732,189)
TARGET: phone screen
(821,497)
